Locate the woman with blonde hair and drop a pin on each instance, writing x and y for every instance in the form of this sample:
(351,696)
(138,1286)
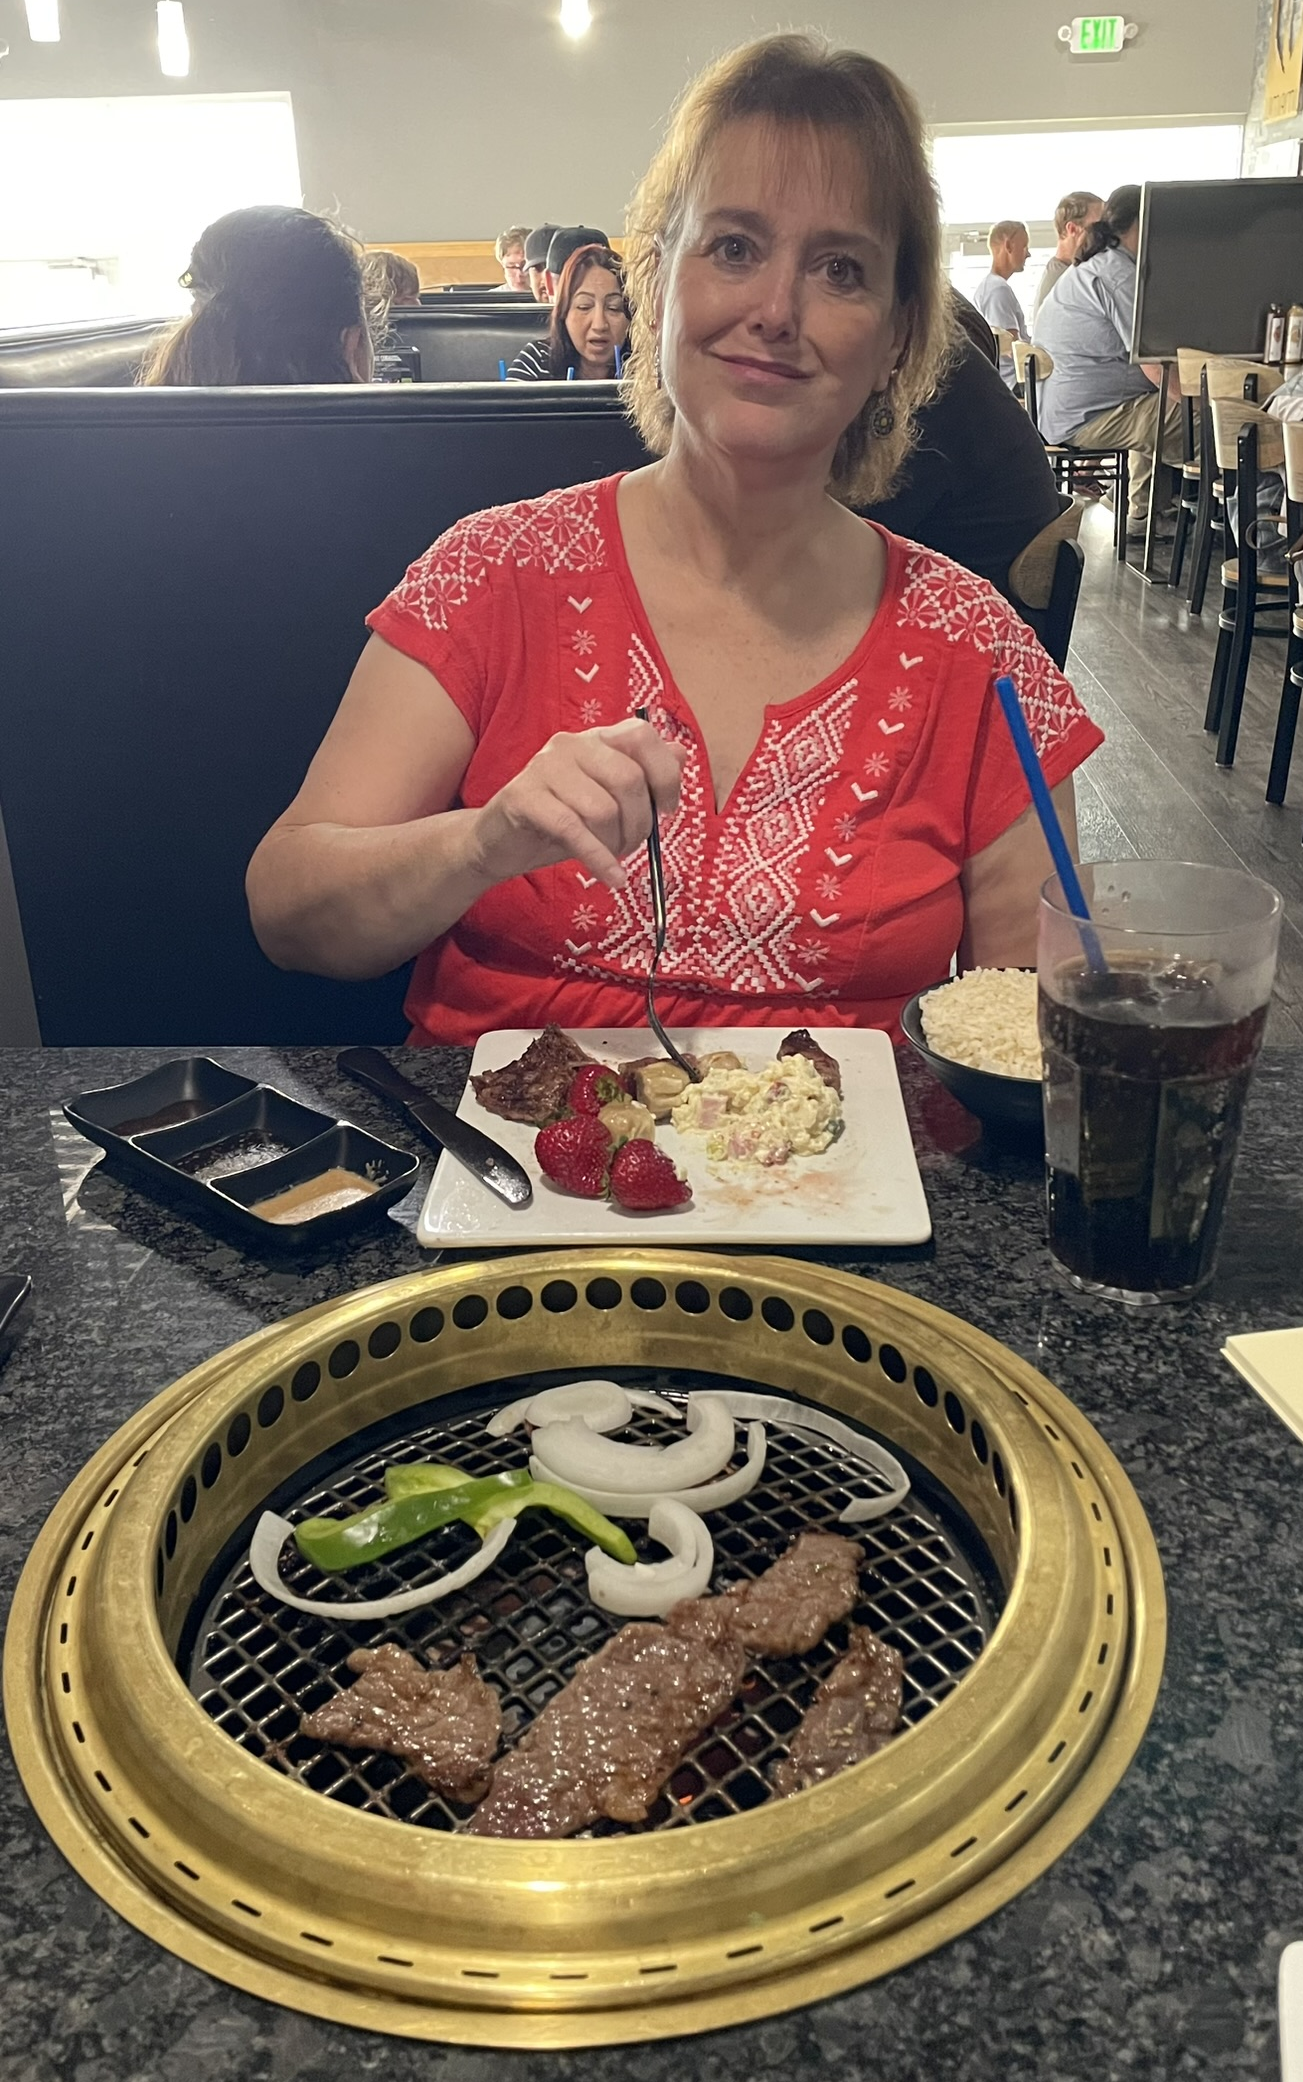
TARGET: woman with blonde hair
(840,807)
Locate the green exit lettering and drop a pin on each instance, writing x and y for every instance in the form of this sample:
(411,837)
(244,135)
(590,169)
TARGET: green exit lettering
(1098,33)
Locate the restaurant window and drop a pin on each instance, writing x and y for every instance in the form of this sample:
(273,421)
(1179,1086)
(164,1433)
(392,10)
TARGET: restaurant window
(985,175)
(103,199)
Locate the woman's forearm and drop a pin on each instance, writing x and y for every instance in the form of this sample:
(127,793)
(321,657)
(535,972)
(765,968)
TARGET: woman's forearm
(356,902)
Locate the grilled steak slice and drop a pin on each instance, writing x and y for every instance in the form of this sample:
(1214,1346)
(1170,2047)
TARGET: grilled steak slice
(608,1742)
(853,1715)
(445,1723)
(534,1087)
(789,1609)
(802,1042)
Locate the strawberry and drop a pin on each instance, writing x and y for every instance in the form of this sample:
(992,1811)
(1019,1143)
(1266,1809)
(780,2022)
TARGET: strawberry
(644,1179)
(575,1154)
(592,1087)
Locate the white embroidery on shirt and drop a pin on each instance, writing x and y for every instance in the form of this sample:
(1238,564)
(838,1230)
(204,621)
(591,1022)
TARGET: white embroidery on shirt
(559,532)
(940,595)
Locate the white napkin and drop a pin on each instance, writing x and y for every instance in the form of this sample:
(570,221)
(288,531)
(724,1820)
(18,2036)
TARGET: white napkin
(1272,1362)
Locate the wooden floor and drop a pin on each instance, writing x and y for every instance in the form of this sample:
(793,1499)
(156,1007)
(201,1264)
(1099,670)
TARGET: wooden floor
(1141,664)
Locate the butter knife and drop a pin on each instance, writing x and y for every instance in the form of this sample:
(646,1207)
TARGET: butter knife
(485,1159)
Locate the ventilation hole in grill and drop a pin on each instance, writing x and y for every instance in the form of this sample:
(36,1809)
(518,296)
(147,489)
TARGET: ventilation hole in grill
(744,1952)
(387,1959)
(384,1340)
(65,1680)
(828,1923)
(1056,1752)
(513,1303)
(245,1907)
(735,1303)
(158,1573)
(89,1537)
(903,1888)
(672,1968)
(169,1535)
(139,1827)
(103,1781)
(1077,1472)
(1108,1605)
(1108,1558)
(893,1366)
(955,1417)
(643,1294)
(270,1404)
(1096,1513)
(1085,1702)
(817,1327)
(1013,1507)
(692,1297)
(210,1467)
(857,1344)
(479,1973)
(237,1438)
(997,1471)
(558,1296)
(1018,1798)
(77,1731)
(1103,1651)
(63,1633)
(567,1977)
(188,1870)
(778,1316)
(71,1586)
(604,1293)
(924,1386)
(307,1380)
(344,1359)
(314,1939)
(425,1325)
(978,1437)
(109,1498)
(966,1845)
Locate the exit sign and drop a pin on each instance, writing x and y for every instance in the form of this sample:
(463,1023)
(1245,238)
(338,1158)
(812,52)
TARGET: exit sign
(1096,35)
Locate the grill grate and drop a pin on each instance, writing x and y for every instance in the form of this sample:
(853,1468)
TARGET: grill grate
(929,1588)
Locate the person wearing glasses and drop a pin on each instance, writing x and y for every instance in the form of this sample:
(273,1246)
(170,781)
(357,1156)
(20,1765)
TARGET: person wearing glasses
(509,252)
(806,701)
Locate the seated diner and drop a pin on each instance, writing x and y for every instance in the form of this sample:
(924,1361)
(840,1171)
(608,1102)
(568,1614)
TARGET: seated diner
(589,329)
(805,700)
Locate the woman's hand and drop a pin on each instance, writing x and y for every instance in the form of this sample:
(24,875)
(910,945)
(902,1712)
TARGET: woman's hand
(586,796)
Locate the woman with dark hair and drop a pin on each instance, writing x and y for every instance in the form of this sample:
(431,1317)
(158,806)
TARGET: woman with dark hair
(590,323)
(806,700)
(278,297)
(1096,396)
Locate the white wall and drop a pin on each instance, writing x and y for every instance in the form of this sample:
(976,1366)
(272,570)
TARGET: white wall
(449,118)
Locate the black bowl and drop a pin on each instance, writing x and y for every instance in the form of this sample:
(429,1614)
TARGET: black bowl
(1011,1104)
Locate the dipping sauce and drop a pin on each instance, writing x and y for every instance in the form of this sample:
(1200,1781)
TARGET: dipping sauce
(166,1117)
(316,1196)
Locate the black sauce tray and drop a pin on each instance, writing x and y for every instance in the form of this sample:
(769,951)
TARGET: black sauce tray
(213,1144)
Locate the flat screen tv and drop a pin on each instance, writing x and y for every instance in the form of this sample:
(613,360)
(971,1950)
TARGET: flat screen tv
(1213,256)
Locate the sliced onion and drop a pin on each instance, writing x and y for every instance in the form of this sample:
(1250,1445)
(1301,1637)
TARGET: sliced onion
(603,1405)
(648,1589)
(708,1496)
(573,1453)
(799,1416)
(271,1533)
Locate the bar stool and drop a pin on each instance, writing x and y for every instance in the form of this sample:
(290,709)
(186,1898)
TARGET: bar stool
(1110,467)
(1245,441)
(1221,376)
(1292,685)
(1190,366)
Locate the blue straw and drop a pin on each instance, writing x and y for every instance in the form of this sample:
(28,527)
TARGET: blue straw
(1050,825)
(619,364)
(502,372)
(570,373)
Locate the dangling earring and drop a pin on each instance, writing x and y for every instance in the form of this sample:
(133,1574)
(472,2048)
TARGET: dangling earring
(656,365)
(882,419)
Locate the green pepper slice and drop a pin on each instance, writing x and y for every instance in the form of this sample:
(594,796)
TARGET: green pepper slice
(336,1544)
(409,1478)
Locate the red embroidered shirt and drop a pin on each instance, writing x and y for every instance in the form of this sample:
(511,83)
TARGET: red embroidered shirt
(826,890)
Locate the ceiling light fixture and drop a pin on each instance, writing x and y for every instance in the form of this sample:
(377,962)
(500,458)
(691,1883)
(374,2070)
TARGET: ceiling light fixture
(43,20)
(173,43)
(576,17)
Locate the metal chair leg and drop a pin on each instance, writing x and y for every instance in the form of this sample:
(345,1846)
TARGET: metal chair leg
(1282,750)
(1237,675)
(1121,501)
(1221,662)
(1202,553)
(1179,542)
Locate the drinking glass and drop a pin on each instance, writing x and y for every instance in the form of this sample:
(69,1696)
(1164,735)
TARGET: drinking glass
(1150,1024)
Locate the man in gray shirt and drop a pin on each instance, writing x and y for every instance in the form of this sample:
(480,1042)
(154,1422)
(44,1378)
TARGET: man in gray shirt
(1096,396)
(994,297)
(1072,220)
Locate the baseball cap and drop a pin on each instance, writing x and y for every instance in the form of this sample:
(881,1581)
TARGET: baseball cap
(537,243)
(567,240)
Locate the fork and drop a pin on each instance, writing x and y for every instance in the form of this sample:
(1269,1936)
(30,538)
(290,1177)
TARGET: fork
(657,867)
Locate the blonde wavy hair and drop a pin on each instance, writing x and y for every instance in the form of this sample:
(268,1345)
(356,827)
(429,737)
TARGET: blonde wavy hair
(799,82)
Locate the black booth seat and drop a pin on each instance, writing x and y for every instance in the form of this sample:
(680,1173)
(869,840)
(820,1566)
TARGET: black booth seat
(183,580)
(76,355)
(464,343)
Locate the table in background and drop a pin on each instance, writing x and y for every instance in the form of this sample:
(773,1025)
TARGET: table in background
(1149,1950)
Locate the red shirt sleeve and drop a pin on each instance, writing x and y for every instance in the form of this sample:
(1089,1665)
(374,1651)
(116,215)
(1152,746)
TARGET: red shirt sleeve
(1062,733)
(447,614)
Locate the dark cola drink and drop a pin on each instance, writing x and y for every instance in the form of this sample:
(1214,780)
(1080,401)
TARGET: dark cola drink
(1146,1078)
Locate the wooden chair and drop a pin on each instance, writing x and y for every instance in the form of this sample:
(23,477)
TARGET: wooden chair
(1218,376)
(1072,466)
(1045,579)
(1246,441)
(1292,685)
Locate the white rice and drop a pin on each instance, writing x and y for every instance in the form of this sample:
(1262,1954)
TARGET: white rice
(986,1020)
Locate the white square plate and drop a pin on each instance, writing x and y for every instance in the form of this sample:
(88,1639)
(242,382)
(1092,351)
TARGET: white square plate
(864,1189)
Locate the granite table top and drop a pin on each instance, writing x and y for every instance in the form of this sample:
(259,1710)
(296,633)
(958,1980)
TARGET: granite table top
(1149,1950)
